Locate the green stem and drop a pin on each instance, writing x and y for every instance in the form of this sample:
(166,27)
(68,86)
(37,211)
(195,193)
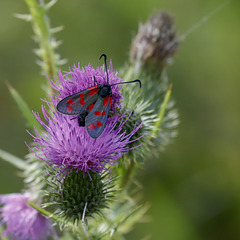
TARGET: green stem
(43,36)
(27,113)
(83,232)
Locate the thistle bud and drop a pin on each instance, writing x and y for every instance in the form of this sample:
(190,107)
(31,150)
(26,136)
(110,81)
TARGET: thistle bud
(155,43)
(77,196)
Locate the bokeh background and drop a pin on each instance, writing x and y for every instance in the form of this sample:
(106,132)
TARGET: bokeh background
(194,186)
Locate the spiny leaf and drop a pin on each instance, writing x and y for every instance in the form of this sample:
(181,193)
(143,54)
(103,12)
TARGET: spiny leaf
(27,113)
(15,161)
(44,212)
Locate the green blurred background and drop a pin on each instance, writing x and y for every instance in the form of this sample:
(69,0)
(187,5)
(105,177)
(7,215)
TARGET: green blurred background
(194,186)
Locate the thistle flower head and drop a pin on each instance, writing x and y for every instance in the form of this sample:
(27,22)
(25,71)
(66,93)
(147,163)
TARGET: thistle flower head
(155,42)
(67,146)
(22,221)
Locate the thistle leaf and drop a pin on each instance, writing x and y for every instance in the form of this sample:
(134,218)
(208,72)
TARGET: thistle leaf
(15,161)
(45,212)
(27,113)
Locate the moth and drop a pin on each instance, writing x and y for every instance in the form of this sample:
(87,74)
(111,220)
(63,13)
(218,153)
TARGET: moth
(92,105)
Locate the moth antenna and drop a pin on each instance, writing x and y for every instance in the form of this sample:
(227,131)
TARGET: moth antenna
(84,212)
(137,80)
(94,79)
(105,62)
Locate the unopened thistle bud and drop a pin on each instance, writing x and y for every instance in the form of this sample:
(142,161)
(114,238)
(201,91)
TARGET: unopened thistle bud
(155,43)
(77,196)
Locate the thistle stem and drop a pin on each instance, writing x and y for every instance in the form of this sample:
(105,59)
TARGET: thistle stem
(82,231)
(43,37)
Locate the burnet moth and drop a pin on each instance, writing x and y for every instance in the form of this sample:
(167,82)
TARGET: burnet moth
(92,105)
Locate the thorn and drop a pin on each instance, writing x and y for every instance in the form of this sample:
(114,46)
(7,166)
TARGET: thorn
(25,17)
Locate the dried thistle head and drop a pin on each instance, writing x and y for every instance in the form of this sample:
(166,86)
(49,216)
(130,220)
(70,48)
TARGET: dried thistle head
(155,43)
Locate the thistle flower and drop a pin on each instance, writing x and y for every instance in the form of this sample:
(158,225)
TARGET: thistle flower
(155,42)
(22,221)
(67,146)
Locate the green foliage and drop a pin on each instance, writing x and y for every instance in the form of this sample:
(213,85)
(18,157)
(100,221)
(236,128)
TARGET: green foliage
(15,161)
(25,110)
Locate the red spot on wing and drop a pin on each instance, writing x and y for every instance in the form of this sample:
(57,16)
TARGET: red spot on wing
(91,88)
(94,91)
(90,107)
(82,102)
(91,126)
(69,109)
(97,113)
(81,95)
(99,124)
(104,113)
(70,101)
(105,100)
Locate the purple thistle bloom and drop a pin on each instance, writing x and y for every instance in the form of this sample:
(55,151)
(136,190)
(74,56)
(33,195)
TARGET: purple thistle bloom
(69,147)
(21,220)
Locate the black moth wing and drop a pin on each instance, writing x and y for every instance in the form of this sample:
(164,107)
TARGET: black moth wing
(76,103)
(97,117)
